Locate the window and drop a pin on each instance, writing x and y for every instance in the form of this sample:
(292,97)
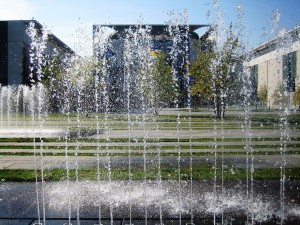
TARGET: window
(254,78)
(289,71)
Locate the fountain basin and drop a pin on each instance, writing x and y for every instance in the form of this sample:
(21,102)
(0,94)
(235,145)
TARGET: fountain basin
(148,197)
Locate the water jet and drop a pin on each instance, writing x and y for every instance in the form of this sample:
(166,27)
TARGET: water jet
(120,148)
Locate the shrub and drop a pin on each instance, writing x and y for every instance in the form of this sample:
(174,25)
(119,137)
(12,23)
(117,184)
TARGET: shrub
(296,97)
(262,94)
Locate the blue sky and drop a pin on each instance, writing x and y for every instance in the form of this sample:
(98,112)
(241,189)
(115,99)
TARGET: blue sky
(65,17)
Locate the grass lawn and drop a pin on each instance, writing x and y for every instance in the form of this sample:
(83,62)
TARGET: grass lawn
(151,174)
(269,122)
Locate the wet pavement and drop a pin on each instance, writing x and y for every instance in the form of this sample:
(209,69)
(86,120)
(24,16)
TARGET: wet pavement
(151,200)
(236,201)
(137,162)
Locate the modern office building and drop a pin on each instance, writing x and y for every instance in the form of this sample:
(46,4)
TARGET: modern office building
(15,49)
(177,41)
(275,65)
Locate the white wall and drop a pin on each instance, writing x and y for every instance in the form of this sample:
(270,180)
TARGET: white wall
(270,70)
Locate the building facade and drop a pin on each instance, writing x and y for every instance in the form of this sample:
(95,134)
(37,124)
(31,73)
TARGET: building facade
(275,68)
(176,41)
(15,49)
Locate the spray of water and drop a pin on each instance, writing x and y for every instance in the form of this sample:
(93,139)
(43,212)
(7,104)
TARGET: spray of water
(178,29)
(137,105)
(37,59)
(283,47)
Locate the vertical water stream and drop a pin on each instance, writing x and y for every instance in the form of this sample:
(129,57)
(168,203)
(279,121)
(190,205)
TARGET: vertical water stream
(37,59)
(127,57)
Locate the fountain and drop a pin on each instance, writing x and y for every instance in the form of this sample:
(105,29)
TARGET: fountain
(100,152)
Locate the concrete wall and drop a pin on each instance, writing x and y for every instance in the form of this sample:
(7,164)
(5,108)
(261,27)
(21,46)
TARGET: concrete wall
(275,78)
(262,76)
(270,70)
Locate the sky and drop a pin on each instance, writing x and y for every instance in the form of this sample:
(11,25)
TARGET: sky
(72,20)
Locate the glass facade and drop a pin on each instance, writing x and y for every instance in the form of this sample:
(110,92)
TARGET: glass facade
(289,71)
(254,78)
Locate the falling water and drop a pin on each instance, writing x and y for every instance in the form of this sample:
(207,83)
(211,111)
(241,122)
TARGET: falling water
(189,106)
(218,35)
(4,104)
(159,158)
(128,85)
(103,47)
(37,53)
(247,93)
(179,55)
(25,93)
(97,95)
(102,43)
(13,102)
(284,44)
(143,50)
(136,55)
(17,107)
(99,41)
(67,110)
(8,106)
(78,138)
(175,198)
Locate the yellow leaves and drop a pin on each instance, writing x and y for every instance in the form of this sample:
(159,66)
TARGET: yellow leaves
(262,93)
(296,96)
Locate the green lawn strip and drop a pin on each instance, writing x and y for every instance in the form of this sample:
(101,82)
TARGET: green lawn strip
(207,115)
(125,154)
(198,173)
(147,147)
(133,140)
(91,127)
(258,117)
(30,140)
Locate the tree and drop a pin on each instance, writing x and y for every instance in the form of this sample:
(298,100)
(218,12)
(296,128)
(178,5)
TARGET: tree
(162,92)
(80,82)
(70,78)
(263,94)
(281,96)
(202,87)
(296,97)
(53,71)
(213,73)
